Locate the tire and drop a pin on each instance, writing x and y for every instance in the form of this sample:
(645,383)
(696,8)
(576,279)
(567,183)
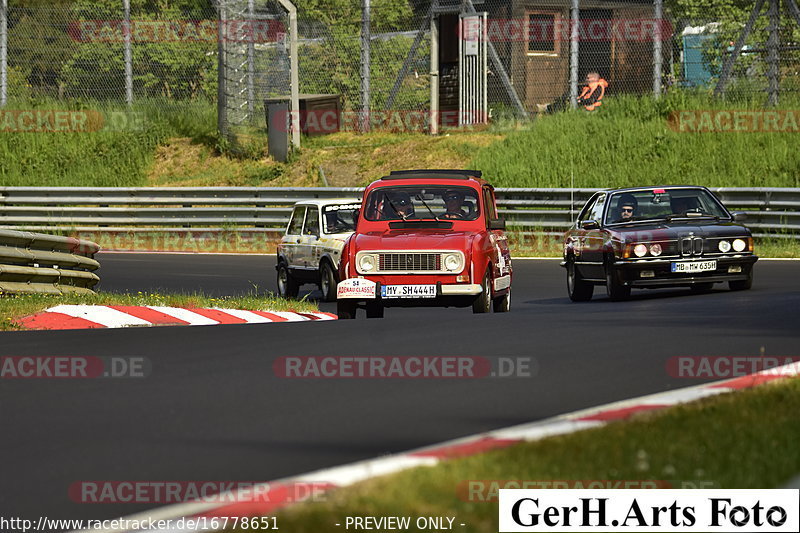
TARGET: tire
(483,302)
(503,303)
(702,287)
(577,289)
(743,284)
(616,291)
(346,309)
(327,282)
(374,309)
(287,285)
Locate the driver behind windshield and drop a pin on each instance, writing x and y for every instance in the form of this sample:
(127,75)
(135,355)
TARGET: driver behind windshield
(453,200)
(626,208)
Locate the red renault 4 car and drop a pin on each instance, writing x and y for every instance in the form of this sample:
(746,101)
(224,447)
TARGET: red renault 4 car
(426,238)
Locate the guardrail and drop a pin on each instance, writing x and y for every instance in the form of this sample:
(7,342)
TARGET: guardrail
(773,211)
(46,264)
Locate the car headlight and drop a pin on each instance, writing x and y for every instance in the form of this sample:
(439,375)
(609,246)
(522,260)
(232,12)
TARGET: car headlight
(739,245)
(452,263)
(724,246)
(655,249)
(366,263)
(640,250)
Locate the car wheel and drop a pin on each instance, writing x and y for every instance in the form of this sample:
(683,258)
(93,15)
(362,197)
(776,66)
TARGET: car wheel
(374,309)
(287,285)
(503,303)
(742,284)
(578,289)
(346,309)
(484,300)
(702,287)
(327,282)
(616,290)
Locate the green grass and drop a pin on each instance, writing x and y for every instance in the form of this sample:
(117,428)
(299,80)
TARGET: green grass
(741,440)
(118,155)
(628,142)
(17,306)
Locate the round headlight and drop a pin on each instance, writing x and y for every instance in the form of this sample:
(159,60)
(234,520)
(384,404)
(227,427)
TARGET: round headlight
(640,250)
(452,262)
(739,245)
(724,246)
(366,263)
(655,249)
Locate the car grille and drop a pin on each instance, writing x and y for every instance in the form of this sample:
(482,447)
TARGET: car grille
(409,262)
(691,246)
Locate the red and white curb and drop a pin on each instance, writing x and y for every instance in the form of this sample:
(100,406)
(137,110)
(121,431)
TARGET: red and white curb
(277,494)
(124,316)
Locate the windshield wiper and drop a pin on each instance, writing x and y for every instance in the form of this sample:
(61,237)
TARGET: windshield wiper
(691,214)
(428,207)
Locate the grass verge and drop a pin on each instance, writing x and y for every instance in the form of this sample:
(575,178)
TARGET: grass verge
(741,440)
(17,306)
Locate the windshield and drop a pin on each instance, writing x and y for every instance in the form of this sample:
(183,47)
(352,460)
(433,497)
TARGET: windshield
(340,218)
(422,202)
(662,203)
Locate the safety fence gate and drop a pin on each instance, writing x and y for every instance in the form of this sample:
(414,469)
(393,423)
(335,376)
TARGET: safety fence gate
(472,72)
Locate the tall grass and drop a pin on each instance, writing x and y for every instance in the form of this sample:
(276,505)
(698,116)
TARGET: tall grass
(628,142)
(117,155)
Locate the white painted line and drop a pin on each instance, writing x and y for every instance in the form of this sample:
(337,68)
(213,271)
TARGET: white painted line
(184,314)
(248,316)
(684,396)
(345,475)
(100,314)
(544,429)
(290,316)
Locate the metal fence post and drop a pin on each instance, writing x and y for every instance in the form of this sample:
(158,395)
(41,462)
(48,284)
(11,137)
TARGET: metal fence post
(3,52)
(251,60)
(658,13)
(126,31)
(773,54)
(222,96)
(434,118)
(365,64)
(573,53)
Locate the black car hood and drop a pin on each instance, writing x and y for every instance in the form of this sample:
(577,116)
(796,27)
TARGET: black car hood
(676,229)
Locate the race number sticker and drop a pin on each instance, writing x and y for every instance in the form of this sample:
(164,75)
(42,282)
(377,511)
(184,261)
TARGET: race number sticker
(355,288)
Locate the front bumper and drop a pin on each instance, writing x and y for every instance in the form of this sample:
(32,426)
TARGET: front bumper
(629,273)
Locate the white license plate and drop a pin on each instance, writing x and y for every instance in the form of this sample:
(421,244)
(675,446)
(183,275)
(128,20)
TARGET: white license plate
(694,266)
(408,291)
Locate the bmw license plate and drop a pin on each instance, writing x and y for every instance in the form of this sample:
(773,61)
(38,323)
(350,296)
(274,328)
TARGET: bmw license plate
(694,266)
(408,291)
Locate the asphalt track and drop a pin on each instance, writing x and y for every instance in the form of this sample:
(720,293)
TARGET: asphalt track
(213,409)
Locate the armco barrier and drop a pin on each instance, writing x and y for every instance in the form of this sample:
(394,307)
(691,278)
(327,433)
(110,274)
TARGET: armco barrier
(46,264)
(771,211)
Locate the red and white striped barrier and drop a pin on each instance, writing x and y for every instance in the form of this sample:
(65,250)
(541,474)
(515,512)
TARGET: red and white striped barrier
(278,494)
(123,316)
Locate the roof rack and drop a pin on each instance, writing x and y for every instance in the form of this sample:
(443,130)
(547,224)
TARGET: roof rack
(448,173)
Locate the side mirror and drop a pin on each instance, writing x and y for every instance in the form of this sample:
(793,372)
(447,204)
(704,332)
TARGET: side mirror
(498,223)
(589,224)
(356,216)
(739,216)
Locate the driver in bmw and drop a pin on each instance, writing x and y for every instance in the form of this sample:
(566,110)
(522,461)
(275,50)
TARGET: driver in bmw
(626,208)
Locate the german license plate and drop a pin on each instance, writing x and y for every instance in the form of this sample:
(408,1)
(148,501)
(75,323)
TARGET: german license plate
(408,291)
(694,266)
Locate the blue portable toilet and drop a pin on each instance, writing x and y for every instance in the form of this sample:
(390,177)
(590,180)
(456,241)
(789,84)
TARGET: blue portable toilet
(695,70)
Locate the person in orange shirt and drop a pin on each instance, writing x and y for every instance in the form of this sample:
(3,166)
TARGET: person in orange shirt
(591,96)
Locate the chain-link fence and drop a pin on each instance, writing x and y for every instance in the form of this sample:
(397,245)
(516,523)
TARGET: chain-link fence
(129,50)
